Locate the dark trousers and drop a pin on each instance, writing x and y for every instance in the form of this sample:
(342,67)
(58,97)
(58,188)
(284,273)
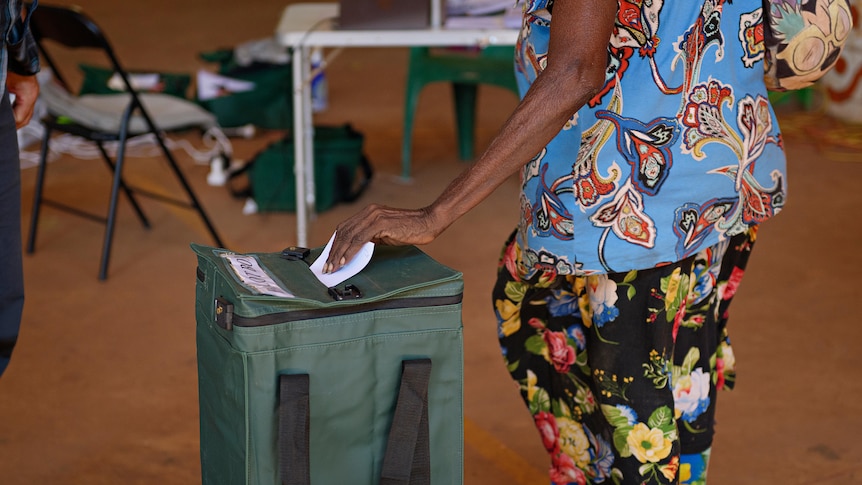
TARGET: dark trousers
(11,269)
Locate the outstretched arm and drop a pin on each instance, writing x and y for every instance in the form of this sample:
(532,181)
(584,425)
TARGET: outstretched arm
(577,59)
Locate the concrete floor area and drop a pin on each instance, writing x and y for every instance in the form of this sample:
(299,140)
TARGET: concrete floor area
(102,389)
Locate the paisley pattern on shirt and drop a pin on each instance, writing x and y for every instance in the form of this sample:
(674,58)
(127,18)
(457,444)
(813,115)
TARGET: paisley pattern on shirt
(678,151)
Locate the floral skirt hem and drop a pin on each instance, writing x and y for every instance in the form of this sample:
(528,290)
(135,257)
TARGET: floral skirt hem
(620,371)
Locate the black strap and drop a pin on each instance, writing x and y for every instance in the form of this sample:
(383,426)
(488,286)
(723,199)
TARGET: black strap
(244,191)
(293,416)
(408,455)
(345,181)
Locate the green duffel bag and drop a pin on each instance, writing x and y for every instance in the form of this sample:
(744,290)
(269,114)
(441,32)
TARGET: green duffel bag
(301,384)
(342,172)
(269,105)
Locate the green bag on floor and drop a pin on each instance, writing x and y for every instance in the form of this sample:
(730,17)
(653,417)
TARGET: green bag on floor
(341,171)
(269,105)
(302,384)
(100,80)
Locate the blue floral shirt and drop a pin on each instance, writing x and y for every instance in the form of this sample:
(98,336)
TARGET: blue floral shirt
(679,150)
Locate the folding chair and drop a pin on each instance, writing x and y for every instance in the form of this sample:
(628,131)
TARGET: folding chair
(106,118)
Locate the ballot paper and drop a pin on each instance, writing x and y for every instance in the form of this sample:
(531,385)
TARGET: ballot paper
(350,269)
(210,85)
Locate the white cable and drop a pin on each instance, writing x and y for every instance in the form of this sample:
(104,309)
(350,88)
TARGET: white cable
(215,142)
(30,159)
(218,172)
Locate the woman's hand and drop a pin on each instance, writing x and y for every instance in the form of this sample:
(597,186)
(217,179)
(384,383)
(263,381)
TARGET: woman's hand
(26,90)
(381,225)
(573,75)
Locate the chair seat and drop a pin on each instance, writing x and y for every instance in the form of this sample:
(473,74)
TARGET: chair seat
(104,112)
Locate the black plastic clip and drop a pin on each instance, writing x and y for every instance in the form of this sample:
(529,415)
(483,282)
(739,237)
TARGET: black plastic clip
(295,253)
(350,292)
(224,313)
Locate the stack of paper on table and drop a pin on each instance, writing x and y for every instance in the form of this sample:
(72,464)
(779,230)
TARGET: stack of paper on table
(482,14)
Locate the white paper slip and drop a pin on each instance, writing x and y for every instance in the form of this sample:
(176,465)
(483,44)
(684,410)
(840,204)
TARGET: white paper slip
(350,269)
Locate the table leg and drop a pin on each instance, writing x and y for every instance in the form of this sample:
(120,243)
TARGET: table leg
(307,112)
(301,104)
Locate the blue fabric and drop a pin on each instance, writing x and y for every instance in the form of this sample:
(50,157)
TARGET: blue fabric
(693,468)
(680,150)
(19,53)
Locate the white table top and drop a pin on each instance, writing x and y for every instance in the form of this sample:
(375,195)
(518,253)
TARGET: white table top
(304,26)
(314,24)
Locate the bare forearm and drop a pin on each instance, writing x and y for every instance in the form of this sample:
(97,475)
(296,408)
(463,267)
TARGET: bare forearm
(575,71)
(576,61)
(538,118)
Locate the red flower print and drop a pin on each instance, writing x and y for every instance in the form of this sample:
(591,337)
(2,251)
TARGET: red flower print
(564,471)
(547,426)
(732,283)
(679,317)
(676,322)
(719,370)
(560,353)
(510,260)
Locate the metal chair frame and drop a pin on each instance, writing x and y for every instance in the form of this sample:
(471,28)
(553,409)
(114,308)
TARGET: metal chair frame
(70,27)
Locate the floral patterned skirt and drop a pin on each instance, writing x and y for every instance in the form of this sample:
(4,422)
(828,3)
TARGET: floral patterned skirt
(620,371)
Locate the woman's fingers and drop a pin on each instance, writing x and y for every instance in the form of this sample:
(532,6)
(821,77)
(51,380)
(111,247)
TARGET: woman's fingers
(381,225)
(350,235)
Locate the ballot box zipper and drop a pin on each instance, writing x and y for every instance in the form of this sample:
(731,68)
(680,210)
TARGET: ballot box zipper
(227,319)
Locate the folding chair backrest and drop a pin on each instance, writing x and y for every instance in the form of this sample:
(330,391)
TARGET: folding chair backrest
(71,28)
(67,26)
(110,117)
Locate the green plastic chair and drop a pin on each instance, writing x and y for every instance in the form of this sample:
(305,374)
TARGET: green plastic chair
(465,70)
(803,97)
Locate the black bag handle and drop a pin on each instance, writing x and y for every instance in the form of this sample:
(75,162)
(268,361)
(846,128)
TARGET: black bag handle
(293,412)
(408,454)
(245,191)
(344,179)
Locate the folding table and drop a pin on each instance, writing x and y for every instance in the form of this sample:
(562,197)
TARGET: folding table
(306,26)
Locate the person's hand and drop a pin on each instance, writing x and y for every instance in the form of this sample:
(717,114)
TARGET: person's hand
(380,225)
(26,90)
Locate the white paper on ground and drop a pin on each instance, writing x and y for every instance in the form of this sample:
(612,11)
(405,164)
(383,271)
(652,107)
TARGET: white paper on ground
(350,269)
